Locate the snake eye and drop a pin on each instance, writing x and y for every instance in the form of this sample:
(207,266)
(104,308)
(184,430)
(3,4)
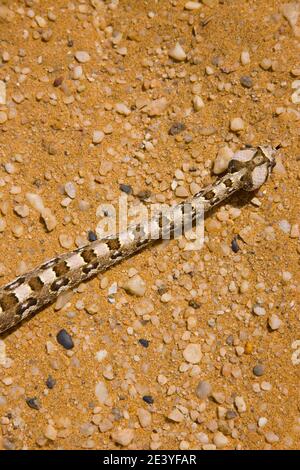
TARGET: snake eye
(258,159)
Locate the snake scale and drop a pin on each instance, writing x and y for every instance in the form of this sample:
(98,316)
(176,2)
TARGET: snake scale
(29,293)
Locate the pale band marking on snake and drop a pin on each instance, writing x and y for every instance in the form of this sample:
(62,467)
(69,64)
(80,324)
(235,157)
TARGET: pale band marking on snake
(27,294)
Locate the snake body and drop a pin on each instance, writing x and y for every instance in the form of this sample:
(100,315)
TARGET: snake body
(29,293)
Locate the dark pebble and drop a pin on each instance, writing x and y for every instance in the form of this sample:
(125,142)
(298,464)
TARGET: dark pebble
(148,399)
(126,188)
(162,290)
(177,128)
(229,340)
(217,61)
(64,339)
(258,370)
(194,304)
(50,382)
(144,342)
(58,81)
(143,195)
(234,245)
(231,414)
(92,236)
(246,81)
(33,403)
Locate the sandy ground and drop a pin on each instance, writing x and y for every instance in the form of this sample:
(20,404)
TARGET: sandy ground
(88,93)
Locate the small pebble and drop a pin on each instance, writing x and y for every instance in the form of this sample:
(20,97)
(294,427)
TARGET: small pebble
(145,417)
(98,136)
(92,237)
(192,6)
(220,440)
(144,307)
(295,231)
(246,81)
(63,299)
(192,353)
(262,421)
(237,124)
(240,404)
(207,130)
(50,432)
(203,389)
(259,311)
(2,224)
(202,437)
(148,399)
(295,98)
(105,425)
(49,219)
(224,156)
(181,191)
(274,322)
(198,103)
(231,414)
(2,93)
(64,339)
(101,392)
(82,56)
(271,437)
(100,355)
(234,245)
(42,23)
(123,437)
(58,81)
(70,190)
(245,58)
(10,168)
(258,370)
(296,354)
(135,286)
(125,188)
(122,109)
(2,353)
(33,403)
(3,117)
(22,210)
(266,64)
(286,276)
(176,416)
(295,72)
(50,382)
(177,128)
(285,226)
(66,241)
(157,107)
(77,72)
(177,53)
(36,201)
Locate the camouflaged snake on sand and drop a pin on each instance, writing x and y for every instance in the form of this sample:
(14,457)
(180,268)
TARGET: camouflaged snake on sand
(29,293)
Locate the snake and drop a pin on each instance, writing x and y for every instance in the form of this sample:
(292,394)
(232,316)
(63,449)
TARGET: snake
(29,293)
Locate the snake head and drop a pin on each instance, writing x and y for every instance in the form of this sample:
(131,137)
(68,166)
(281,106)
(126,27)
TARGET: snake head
(257,164)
